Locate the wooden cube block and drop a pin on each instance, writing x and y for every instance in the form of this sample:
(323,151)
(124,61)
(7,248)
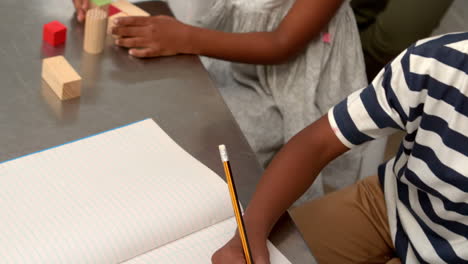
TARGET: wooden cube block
(61,77)
(54,33)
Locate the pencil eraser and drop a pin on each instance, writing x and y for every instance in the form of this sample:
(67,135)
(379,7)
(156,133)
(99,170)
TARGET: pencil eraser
(326,38)
(223,153)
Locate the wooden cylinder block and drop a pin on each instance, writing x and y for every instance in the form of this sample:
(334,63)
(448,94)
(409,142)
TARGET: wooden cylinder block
(95,31)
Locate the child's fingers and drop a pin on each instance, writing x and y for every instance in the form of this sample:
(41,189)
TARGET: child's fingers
(142,53)
(129,31)
(81,7)
(132,21)
(80,15)
(77,4)
(85,4)
(131,42)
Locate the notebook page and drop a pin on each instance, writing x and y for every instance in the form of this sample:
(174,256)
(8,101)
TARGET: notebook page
(198,248)
(106,198)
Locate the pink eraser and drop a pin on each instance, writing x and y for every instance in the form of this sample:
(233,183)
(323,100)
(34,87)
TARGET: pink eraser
(326,37)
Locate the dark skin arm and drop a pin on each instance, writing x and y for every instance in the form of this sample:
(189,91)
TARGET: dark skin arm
(288,176)
(162,36)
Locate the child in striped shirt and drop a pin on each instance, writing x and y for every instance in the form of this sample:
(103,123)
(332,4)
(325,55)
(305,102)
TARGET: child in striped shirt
(416,209)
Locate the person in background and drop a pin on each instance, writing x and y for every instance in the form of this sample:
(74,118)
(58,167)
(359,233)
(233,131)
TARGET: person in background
(416,209)
(279,64)
(387,27)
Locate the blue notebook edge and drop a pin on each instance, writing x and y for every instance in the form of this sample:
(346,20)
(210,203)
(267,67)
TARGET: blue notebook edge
(73,141)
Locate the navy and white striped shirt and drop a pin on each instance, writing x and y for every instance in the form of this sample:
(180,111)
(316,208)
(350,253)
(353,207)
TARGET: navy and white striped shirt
(424,92)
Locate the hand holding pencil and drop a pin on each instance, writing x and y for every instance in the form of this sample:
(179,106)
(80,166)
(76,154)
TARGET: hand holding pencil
(238,249)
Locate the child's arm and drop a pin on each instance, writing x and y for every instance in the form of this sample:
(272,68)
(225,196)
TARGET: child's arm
(292,171)
(163,36)
(289,175)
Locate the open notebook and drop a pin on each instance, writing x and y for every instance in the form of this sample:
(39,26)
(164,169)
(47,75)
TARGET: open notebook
(129,195)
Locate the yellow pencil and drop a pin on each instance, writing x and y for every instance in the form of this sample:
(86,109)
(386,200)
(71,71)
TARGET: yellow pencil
(235,203)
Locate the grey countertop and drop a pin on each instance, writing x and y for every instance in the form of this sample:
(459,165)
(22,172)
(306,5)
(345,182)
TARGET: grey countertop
(117,89)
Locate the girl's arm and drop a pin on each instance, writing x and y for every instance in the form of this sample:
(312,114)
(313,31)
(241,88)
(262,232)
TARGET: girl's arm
(288,176)
(160,36)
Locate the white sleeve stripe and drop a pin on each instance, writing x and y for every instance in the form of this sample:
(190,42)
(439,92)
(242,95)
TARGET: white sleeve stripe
(336,130)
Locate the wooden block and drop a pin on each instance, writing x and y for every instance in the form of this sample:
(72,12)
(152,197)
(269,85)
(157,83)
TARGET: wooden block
(61,77)
(103,7)
(129,8)
(110,23)
(113,10)
(95,31)
(54,33)
(100,2)
(61,111)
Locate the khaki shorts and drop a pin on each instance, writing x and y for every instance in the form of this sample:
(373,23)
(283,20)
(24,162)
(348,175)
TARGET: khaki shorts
(348,226)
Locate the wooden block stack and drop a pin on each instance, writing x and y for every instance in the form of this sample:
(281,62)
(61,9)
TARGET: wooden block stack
(95,31)
(56,71)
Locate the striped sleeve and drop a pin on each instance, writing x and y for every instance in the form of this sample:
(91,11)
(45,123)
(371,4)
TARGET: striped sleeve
(379,109)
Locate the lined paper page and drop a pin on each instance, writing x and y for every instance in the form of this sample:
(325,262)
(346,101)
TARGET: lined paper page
(105,199)
(198,248)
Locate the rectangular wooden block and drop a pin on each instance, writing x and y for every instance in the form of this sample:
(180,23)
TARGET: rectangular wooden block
(61,77)
(129,8)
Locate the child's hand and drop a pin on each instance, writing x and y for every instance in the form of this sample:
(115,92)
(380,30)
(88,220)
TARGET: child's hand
(151,36)
(81,7)
(232,252)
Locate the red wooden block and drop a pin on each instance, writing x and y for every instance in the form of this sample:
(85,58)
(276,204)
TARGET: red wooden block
(113,10)
(54,33)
